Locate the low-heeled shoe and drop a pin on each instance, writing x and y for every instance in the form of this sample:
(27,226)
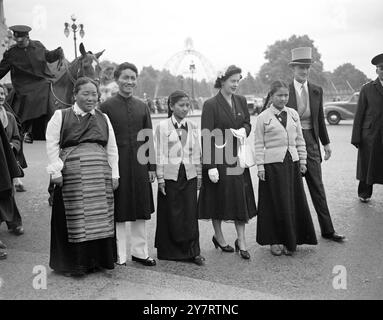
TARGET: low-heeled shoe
(334,237)
(17,231)
(146,262)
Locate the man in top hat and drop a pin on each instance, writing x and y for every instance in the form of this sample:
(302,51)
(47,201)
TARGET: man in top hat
(307,99)
(30,75)
(367,133)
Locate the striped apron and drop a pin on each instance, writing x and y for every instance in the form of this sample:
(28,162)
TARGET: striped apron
(87,193)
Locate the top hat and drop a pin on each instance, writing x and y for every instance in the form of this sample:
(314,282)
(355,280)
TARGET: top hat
(377,59)
(301,56)
(20,30)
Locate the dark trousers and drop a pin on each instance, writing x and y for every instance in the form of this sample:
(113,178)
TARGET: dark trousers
(365,190)
(315,184)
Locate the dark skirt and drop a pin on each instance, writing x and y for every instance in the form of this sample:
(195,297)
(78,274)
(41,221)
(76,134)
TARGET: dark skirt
(177,234)
(9,211)
(283,212)
(231,199)
(76,257)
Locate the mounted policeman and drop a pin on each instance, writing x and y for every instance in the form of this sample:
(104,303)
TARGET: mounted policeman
(30,75)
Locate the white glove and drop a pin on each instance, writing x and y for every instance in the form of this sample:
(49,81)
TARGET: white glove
(213,175)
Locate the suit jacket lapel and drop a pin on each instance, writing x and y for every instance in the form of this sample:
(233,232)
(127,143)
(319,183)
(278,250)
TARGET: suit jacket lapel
(293,97)
(226,107)
(378,86)
(313,105)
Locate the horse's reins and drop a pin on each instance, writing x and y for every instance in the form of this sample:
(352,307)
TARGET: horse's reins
(72,79)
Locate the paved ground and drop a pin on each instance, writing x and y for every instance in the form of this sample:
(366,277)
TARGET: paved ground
(307,275)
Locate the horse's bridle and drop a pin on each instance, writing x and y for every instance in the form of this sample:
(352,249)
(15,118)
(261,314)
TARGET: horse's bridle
(80,69)
(72,78)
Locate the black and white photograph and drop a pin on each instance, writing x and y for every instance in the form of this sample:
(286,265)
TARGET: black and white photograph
(191,155)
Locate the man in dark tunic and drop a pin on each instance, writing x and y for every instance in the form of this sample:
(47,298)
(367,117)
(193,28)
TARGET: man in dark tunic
(133,198)
(307,99)
(367,133)
(30,75)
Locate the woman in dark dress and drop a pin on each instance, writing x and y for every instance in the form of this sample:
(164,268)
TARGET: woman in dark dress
(284,219)
(12,129)
(8,171)
(83,163)
(226,192)
(179,175)
(8,121)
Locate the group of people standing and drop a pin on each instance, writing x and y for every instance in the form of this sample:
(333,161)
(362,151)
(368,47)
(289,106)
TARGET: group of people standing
(103,159)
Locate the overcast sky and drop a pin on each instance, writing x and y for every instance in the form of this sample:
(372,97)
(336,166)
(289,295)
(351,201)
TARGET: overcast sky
(149,32)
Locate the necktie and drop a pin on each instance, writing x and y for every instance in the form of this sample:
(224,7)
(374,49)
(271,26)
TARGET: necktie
(282,117)
(305,99)
(182,132)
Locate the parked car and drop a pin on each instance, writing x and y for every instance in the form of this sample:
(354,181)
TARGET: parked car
(254,104)
(336,111)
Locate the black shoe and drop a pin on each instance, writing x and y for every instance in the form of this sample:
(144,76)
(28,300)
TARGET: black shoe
(198,260)
(28,138)
(3,255)
(226,248)
(286,251)
(334,237)
(244,253)
(20,188)
(364,200)
(18,231)
(149,262)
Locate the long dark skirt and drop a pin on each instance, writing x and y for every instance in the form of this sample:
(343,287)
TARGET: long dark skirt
(283,212)
(9,211)
(76,257)
(231,199)
(177,234)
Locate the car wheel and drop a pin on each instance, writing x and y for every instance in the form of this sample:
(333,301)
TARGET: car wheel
(333,117)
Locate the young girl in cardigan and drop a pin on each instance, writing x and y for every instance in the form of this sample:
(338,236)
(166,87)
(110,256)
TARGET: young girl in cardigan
(179,177)
(284,219)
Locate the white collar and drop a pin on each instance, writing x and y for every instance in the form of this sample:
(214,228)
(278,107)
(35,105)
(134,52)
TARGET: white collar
(80,112)
(174,120)
(277,111)
(298,86)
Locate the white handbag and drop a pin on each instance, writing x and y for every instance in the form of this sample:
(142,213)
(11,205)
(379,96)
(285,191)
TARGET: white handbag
(246,153)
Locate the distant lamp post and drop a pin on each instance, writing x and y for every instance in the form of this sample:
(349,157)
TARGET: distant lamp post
(75,28)
(192,70)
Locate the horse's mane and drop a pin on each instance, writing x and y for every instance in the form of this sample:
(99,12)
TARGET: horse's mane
(58,74)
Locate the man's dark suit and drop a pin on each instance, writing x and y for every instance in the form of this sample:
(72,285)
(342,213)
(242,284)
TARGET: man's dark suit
(317,134)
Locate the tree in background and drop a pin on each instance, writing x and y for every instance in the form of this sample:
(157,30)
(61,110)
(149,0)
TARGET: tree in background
(347,72)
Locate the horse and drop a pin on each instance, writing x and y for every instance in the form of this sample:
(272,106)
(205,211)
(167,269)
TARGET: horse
(61,88)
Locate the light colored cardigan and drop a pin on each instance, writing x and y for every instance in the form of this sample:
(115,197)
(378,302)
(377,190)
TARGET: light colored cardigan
(272,139)
(170,153)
